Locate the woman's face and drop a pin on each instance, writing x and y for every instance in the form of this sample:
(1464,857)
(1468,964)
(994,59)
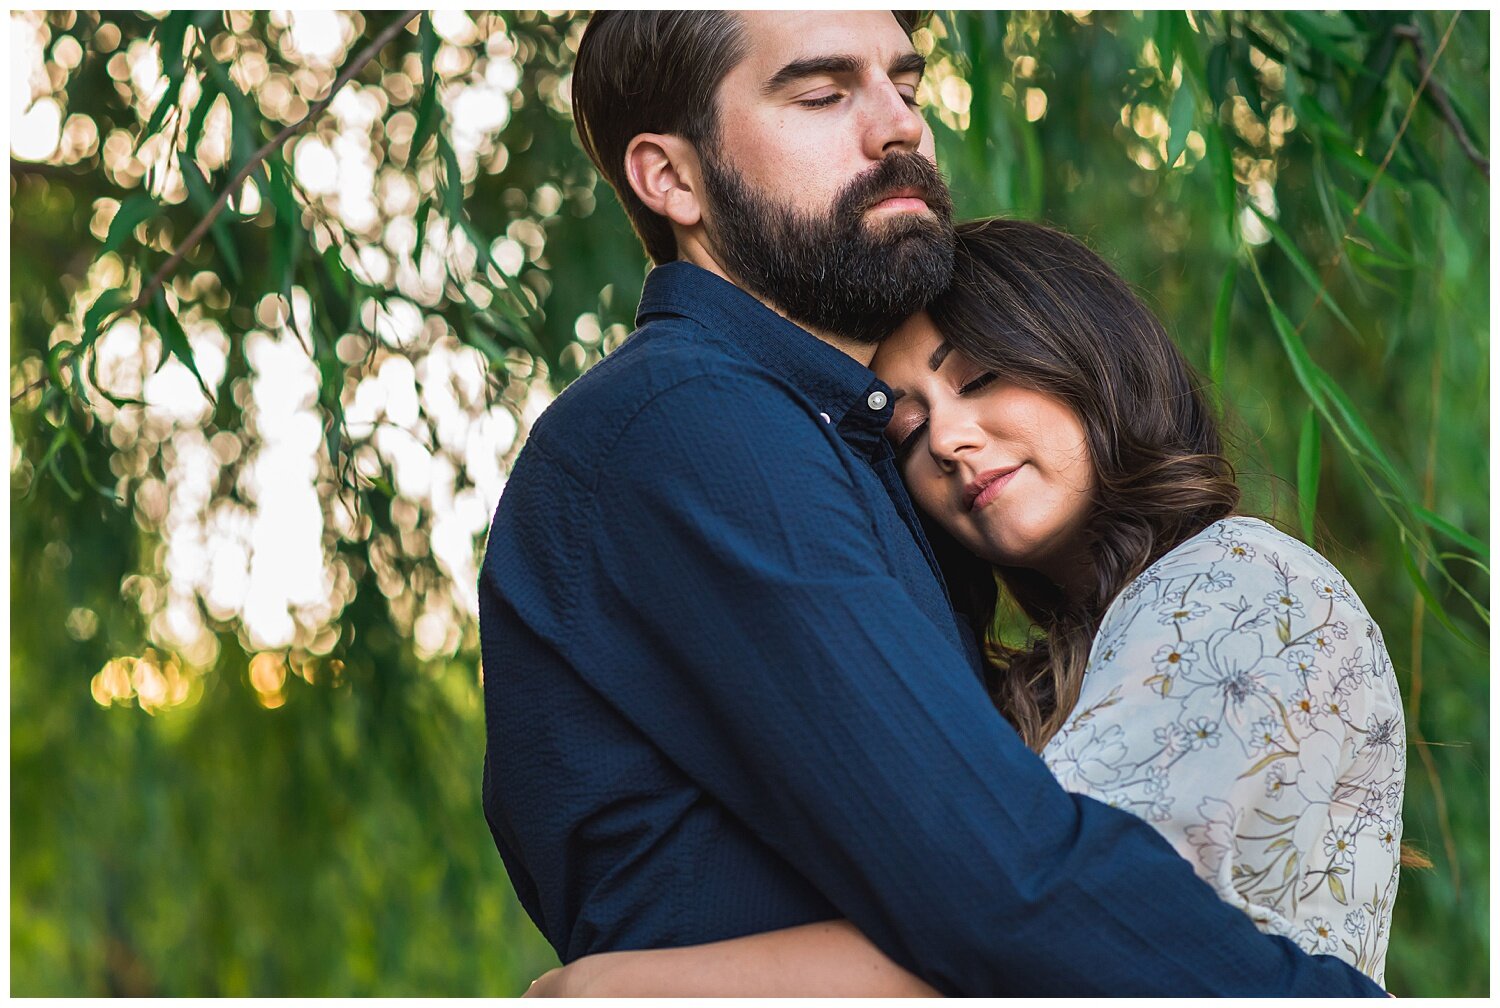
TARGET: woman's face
(1005,469)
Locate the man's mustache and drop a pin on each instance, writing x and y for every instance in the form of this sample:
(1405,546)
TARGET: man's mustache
(900,170)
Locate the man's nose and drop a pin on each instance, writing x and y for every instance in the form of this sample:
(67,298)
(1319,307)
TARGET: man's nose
(891,123)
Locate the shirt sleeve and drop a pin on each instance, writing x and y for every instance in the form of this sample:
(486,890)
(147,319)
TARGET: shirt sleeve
(1236,701)
(754,632)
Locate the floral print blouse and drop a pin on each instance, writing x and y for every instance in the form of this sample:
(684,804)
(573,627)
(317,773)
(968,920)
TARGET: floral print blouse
(1239,697)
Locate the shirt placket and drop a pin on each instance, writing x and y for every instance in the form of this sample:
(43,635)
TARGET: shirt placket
(862,428)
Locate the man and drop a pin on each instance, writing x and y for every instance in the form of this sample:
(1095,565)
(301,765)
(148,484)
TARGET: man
(725,690)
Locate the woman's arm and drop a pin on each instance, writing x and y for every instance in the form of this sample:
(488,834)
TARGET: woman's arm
(827,959)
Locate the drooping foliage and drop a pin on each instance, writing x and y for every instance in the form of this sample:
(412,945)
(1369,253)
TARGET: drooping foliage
(287,290)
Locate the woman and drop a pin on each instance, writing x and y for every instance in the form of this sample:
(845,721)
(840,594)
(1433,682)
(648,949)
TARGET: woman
(1203,670)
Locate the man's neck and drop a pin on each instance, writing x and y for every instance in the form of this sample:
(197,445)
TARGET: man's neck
(699,255)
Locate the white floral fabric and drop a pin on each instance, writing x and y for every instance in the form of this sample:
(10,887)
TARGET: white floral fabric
(1239,697)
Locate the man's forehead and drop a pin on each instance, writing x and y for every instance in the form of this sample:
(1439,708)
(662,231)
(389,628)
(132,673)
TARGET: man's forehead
(774,38)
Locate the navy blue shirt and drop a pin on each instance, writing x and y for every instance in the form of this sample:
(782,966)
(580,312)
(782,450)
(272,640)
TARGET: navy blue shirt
(725,692)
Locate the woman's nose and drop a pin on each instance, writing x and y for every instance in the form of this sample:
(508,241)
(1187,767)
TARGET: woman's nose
(950,438)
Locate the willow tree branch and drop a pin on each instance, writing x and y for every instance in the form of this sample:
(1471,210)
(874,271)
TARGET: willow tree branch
(1439,99)
(1379,171)
(196,235)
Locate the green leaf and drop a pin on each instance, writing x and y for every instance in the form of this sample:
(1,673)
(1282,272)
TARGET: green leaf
(1299,261)
(1312,33)
(174,340)
(1187,50)
(1371,98)
(54,364)
(1225,187)
(159,115)
(209,90)
(429,111)
(1309,465)
(1331,400)
(492,351)
(453,183)
(424,210)
(1340,150)
(1356,428)
(203,198)
(1414,572)
(1438,523)
(104,305)
(510,325)
(59,439)
(1218,76)
(1249,82)
(1262,43)
(482,252)
(336,287)
(1296,352)
(1372,229)
(244,120)
(1360,254)
(289,238)
(1165,37)
(132,212)
(169,38)
(1218,343)
(1179,123)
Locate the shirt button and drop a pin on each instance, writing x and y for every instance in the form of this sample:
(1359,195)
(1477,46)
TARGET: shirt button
(826,417)
(877,400)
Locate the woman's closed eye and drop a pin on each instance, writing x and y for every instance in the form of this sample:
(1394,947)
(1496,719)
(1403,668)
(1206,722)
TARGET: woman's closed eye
(909,441)
(906,442)
(978,383)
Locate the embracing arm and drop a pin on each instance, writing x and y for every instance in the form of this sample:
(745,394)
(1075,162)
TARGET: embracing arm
(827,959)
(850,734)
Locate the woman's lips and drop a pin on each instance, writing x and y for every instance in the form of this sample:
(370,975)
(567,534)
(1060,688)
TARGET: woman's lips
(986,487)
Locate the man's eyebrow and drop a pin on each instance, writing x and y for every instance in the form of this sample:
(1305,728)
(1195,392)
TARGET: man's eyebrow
(909,62)
(813,66)
(939,355)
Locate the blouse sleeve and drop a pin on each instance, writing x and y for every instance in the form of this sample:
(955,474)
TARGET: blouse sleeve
(1240,698)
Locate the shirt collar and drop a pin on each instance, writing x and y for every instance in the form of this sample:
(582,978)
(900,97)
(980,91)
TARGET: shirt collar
(846,393)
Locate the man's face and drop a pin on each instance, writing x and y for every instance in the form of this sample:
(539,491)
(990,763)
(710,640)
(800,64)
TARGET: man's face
(820,191)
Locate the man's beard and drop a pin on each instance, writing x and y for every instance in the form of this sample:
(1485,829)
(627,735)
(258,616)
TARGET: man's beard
(835,273)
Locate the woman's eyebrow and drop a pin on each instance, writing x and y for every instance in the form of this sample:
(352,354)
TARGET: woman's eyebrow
(934,362)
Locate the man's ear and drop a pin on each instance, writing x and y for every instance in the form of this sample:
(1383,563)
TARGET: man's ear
(664,172)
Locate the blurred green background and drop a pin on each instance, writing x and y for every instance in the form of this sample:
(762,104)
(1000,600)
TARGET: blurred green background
(246,728)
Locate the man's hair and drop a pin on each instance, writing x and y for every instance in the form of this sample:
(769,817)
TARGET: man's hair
(650,72)
(655,72)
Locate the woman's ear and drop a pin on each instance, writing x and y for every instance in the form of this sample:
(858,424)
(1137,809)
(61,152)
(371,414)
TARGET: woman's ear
(663,170)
